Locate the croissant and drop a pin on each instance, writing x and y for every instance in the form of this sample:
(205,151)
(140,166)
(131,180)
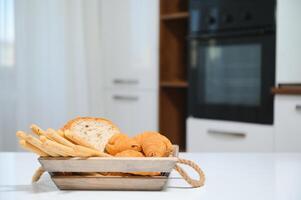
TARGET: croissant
(154,144)
(121,142)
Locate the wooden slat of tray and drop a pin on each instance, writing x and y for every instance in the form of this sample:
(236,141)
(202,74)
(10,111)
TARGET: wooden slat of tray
(109,183)
(109,164)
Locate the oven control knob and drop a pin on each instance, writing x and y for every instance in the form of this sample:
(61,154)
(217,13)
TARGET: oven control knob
(228,18)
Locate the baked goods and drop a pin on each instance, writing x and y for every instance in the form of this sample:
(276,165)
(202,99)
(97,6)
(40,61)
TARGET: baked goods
(154,144)
(37,130)
(55,136)
(52,143)
(89,152)
(56,147)
(92,132)
(121,142)
(32,148)
(87,137)
(34,142)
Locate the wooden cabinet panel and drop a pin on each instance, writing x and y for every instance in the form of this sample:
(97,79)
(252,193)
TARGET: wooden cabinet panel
(173,70)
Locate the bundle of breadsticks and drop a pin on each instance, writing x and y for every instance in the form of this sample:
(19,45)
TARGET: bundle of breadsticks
(54,143)
(87,137)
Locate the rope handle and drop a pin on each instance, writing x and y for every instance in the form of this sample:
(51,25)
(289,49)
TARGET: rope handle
(37,175)
(188,179)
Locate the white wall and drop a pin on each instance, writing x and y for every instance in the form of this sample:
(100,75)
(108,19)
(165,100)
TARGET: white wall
(288,43)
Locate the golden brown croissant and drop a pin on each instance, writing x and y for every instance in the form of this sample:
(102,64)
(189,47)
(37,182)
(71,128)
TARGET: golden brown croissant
(154,144)
(121,142)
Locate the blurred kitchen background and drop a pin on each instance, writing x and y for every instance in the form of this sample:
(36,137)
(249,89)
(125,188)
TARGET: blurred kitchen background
(212,75)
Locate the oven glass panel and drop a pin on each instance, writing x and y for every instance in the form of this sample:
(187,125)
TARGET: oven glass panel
(231,74)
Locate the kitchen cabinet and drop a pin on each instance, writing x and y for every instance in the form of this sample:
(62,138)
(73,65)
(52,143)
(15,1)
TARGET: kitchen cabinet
(288,59)
(130,43)
(133,111)
(288,123)
(222,136)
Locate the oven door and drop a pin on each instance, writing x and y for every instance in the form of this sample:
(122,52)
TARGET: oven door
(230,78)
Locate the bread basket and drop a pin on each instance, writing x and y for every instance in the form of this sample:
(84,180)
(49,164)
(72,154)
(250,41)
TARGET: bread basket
(71,181)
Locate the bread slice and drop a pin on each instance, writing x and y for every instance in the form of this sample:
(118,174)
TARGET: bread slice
(94,132)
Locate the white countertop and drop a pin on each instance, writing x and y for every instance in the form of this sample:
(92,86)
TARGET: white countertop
(229,176)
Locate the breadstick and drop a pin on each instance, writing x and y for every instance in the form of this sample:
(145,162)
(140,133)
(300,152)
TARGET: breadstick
(57,147)
(37,130)
(32,148)
(21,135)
(34,142)
(77,140)
(89,151)
(80,153)
(40,132)
(52,134)
(61,133)
(37,175)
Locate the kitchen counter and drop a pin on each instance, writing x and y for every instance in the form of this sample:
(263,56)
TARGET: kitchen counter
(248,176)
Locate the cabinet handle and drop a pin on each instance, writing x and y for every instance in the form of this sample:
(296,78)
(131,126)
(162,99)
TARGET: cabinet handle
(229,133)
(126,81)
(125,98)
(298,107)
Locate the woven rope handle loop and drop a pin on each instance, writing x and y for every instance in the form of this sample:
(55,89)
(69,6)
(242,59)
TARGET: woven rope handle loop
(37,175)
(192,182)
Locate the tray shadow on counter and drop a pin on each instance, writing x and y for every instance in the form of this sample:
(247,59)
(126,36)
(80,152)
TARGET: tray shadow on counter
(43,186)
(177,183)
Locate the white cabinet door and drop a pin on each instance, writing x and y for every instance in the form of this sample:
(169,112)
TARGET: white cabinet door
(132,111)
(288,41)
(288,123)
(130,43)
(222,136)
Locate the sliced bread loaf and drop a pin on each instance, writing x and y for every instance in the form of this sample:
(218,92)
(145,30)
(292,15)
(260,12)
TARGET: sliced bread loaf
(93,132)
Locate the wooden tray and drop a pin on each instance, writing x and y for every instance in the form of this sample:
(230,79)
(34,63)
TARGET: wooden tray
(110,164)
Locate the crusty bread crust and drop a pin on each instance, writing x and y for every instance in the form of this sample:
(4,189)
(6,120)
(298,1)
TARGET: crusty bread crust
(72,122)
(82,133)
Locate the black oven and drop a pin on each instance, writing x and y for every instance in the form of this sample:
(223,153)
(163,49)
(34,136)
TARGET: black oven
(232,60)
